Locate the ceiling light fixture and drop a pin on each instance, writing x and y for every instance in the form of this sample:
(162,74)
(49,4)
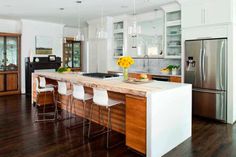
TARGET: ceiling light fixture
(134,29)
(101,32)
(80,34)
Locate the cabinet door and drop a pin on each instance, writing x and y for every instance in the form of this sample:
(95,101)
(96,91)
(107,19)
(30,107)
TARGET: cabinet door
(175,79)
(192,13)
(11,82)
(11,53)
(2,83)
(76,55)
(136,123)
(102,56)
(2,56)
(217,11)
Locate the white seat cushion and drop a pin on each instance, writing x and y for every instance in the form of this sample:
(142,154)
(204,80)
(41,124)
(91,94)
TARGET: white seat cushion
(47,89)
(111,102)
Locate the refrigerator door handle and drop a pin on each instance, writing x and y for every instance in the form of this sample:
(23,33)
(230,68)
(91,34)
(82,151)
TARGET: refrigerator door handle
(203,65)
(200,65)
(221,64)
(208,91)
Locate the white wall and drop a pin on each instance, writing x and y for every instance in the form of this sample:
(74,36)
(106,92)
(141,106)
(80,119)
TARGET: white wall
(233,66)
(72,32)
(10,26)
(31,29)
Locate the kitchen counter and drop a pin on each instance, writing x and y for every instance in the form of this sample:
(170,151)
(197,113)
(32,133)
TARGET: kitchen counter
(148,73)
(165,116)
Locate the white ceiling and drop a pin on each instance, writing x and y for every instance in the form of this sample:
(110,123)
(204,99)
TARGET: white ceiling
(48,10)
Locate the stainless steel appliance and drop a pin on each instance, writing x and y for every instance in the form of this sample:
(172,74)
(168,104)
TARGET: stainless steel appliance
(206,70)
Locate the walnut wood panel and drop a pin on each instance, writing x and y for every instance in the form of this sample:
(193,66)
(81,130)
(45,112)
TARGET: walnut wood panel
(2,84)
(136,123)
(175,79)
(11,82)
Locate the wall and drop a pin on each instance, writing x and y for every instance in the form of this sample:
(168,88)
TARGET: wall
(31,29)
(71,32)
(234,58)
(10,26)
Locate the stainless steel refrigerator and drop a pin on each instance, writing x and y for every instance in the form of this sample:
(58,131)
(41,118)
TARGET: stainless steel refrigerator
(206,70)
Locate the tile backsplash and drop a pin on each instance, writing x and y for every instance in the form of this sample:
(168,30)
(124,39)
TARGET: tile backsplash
(155,65)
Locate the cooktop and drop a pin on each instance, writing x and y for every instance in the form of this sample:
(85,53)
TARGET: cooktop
(100,75)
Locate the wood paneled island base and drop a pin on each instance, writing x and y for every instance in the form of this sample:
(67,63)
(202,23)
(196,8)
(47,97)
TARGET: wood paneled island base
(132,118)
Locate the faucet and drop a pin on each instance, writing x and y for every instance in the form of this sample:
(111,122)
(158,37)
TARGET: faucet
(144,63)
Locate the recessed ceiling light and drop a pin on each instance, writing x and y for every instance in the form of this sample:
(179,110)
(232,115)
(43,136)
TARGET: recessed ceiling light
(78,2)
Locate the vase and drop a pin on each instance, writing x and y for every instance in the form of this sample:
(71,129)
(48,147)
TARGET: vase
(174,71)
(125,74)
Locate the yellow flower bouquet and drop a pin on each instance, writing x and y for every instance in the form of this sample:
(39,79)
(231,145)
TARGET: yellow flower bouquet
(125,62)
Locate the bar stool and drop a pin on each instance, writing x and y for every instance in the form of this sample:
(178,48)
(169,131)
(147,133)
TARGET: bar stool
(45,90)
(101,99)
(63,91)
(43,84)
(80,95)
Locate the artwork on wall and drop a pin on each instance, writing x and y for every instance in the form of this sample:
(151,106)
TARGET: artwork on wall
(43,45)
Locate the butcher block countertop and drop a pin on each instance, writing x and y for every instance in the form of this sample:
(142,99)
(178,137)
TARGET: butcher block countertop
(113,84)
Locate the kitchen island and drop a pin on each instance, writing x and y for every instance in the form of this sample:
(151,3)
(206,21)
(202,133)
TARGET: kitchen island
(155,118)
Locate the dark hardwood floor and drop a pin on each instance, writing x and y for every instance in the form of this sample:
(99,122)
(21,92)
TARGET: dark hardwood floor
(21,137)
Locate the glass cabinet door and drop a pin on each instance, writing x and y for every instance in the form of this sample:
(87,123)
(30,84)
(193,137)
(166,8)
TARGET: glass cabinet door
(68,55)
(76,55)
(11,53)
(2,57)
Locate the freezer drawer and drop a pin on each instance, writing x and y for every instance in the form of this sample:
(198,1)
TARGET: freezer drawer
(210,104)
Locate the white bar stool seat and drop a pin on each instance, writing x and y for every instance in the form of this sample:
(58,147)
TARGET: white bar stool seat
(101,98)
(43,84)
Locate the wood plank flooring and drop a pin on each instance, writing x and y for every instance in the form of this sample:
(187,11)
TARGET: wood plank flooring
(21,137)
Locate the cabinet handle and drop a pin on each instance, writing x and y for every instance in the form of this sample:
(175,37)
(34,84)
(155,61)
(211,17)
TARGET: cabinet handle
(204,16)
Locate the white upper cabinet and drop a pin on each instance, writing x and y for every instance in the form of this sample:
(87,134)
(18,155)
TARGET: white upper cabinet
(172,30)
(205,12)
(217,11)
(192,13)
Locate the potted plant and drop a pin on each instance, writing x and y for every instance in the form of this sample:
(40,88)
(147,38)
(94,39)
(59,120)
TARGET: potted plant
(174,69)
(125,62)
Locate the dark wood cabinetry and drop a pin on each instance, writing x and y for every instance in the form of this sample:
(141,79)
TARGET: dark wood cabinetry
(9,63)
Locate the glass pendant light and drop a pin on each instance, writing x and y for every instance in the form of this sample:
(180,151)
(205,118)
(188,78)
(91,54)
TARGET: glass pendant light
(63,38)
(80,35)
(101,32)
(134,29)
